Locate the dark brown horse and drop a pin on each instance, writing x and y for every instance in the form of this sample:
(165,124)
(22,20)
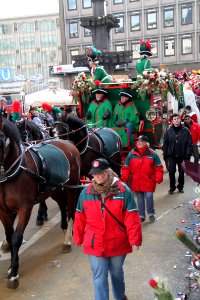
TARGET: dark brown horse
(20,183)
(92,144)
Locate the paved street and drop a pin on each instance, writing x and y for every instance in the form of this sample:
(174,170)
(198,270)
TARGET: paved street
(48,274)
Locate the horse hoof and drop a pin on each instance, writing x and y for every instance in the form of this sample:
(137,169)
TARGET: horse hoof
(66,248)
(5,246)
(13,284)
(45,218)
(39,222)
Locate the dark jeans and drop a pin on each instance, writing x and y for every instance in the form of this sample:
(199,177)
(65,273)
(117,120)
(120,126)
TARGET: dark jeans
(172,162)
(195,153)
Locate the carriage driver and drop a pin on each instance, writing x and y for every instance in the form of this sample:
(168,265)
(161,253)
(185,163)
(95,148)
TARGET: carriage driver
(100,110)
(126,115)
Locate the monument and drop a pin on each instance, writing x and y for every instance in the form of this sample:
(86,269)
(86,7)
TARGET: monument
(100,25)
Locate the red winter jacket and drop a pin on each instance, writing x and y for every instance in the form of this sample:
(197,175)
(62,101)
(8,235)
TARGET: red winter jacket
(98,231)
(145,170)
(195,132)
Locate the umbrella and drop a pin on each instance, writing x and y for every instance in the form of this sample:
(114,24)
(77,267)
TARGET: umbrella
(192,169)
(53,96)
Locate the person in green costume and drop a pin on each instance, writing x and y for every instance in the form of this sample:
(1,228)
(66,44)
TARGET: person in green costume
(100,110)
(97,71)
(126,115)
(145,51)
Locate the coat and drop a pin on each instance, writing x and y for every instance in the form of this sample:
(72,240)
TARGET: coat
(100,74)
(146,170)
(181,144)
(195,132)
(127,113)
(98,231)
(98,111)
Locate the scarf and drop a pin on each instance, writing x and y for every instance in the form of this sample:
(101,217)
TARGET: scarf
(106,189)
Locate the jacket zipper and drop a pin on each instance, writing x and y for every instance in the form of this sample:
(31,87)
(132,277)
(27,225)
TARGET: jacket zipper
(92,246)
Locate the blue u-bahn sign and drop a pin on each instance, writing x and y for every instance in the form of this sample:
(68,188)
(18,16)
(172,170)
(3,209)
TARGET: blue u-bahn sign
(6,74)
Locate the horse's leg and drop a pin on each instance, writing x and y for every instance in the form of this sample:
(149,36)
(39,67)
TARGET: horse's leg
(72,196)
(17,238)
(40,219)
(6,244)
(42,213)
(60,197)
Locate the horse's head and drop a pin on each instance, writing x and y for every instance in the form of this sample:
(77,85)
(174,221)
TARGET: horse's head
(2,142)
(25,137)
(60,129)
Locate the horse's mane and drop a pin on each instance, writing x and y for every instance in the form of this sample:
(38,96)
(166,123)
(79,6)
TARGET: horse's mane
(74,122)
(11,131)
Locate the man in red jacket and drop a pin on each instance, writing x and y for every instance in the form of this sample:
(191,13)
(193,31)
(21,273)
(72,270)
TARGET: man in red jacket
(108,226)
(146,170)
(195,133)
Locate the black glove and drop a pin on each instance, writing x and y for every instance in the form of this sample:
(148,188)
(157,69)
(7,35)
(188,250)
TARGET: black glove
(88,115)
(117,123)
(107,115)
(123,123)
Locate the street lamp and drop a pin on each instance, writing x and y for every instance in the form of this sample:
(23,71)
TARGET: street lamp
(22,95)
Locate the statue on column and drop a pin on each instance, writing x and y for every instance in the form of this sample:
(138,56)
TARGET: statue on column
(97,71)
(144,62)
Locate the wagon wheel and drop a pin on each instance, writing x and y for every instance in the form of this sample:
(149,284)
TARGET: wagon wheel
(198,238)
(196,262)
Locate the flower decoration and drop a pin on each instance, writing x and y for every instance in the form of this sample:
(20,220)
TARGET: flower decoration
(155,80)
(82,86)
(161,290)
(182,236)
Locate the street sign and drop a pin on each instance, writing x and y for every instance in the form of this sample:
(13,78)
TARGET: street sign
(6,74)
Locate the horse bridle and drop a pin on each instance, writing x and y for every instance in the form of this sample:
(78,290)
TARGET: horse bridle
(3,148)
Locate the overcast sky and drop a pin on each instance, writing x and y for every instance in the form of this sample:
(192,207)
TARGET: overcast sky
(20,8)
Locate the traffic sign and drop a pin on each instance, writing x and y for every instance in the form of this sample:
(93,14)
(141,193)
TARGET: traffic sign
(6,74)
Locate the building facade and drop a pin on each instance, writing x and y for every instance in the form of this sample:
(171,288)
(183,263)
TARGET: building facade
(30,45)
(173,27)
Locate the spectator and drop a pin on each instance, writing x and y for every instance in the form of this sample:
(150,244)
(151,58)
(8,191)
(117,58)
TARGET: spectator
(177,147)
(192,114)
(144,167)
(36,120)
(107,224)
(195,133)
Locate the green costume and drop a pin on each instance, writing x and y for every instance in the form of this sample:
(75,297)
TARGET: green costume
(143,64)
(125,116)
(102,75)
(99,110)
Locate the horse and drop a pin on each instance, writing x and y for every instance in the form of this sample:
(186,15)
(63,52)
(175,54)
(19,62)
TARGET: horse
(92,144)
(21,184)
(30,132)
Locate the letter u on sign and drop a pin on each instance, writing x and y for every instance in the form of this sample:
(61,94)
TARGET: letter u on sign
(6,74)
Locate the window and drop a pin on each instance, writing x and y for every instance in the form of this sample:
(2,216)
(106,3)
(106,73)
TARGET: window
(7,45)
(151,19)
(5,29)
(47,25)
(27,27)
(74,52)
(169,47)
(48,41)
(119,47)
(135,21)
(186,44)
(154,49)
(121,24)
(117,1)
(73,29)
(72,4)
(7,60)
(87,32)
(169,16)
(136,50)
(28,42)
(186,14)
(87,3)
(28,58)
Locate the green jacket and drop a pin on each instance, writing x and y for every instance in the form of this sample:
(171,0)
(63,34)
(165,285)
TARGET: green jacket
(98,111)
(126,112)
(143,64)
(102,75)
